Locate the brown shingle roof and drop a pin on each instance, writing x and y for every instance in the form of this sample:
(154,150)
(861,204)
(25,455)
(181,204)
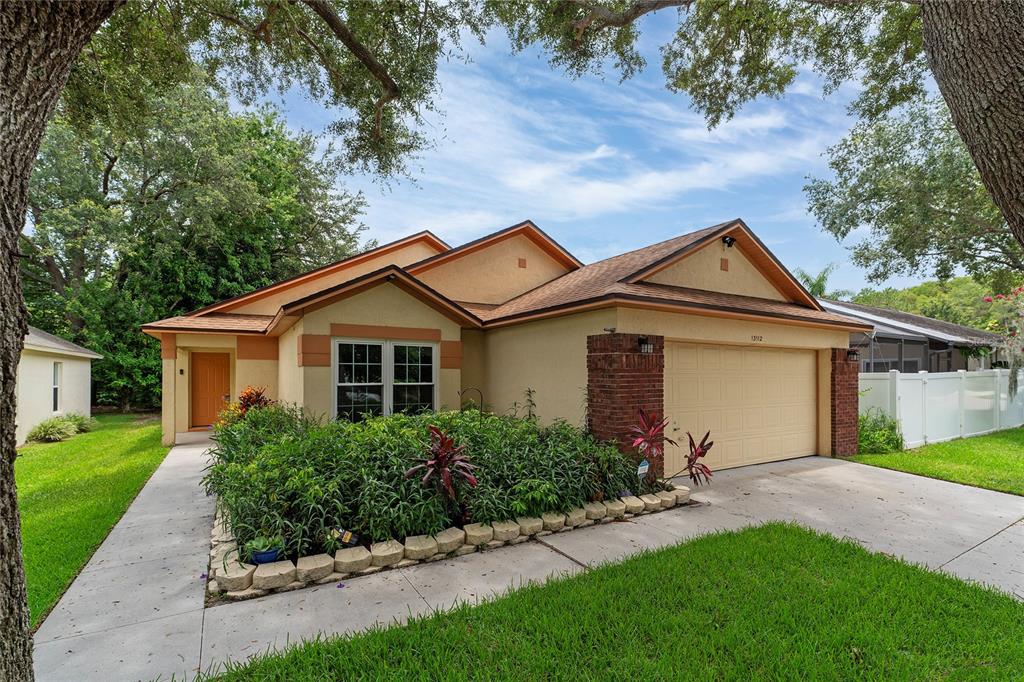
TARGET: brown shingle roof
(214,322)
(596,279)
(603,280)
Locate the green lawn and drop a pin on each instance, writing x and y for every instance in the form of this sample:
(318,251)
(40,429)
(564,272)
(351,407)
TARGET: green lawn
(774,602)
(994,461)
(72,493)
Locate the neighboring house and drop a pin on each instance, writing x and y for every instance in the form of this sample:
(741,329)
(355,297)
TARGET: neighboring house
(915,343)
(707,328)
(54,378)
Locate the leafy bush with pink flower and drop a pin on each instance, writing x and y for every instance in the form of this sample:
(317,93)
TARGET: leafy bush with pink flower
(1009,310)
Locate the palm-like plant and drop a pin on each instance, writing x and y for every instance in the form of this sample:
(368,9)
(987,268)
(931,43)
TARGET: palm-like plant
(817,284)
(649,438)
(445,461)
(694,467)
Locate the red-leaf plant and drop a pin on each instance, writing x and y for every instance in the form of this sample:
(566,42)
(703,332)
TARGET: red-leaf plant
(649,438)
(444,462)
(694,467)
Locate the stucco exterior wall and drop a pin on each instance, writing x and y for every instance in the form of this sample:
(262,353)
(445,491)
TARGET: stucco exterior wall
(382,306)
(404,256)
(549,356)
(289,376)
(703,270)
(493,274)
(474,364)
(34,386)
(684,327)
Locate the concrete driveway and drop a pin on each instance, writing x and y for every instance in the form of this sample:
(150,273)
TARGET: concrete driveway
(155,624)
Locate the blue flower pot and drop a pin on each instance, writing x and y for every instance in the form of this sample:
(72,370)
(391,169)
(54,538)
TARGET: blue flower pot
(267,556)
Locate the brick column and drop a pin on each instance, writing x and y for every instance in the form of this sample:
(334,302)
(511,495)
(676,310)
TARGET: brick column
(620,380)
(845,395)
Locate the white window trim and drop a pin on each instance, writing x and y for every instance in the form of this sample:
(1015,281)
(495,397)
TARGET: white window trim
(58,386)
(387,368)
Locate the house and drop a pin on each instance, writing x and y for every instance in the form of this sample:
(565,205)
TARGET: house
(915,343)
(54,378)
(707,328)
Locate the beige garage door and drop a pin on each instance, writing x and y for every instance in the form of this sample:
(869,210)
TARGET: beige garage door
(759,403)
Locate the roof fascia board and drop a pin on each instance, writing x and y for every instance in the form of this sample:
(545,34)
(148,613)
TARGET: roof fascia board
(84,353)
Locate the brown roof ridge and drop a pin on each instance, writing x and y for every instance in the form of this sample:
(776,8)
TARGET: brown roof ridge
(206,310)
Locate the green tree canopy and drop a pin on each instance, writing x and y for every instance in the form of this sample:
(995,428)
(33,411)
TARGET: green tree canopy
(190,205)
(907,177)
(959,300)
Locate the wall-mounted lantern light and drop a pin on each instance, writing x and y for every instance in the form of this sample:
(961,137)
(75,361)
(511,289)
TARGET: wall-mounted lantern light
(852,354)
(729,240)
(645,345)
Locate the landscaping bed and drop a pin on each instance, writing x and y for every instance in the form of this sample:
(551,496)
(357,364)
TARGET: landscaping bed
(331,501)
(774,602)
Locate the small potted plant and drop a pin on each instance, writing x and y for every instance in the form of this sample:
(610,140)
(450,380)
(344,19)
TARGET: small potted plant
(264,550)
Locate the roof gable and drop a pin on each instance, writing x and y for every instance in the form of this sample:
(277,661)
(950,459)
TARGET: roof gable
(717,267)
(751,249)
(388,275)
(526,228)
(498,271)
(268,299)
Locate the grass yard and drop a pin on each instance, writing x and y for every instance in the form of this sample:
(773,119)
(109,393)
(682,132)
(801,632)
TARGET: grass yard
(994,461)
(72,493)
(773,602)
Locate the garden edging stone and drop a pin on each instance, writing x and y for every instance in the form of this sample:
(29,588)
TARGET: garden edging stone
(237,581)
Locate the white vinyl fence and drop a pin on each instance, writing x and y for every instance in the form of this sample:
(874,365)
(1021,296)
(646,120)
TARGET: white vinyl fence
(938,406)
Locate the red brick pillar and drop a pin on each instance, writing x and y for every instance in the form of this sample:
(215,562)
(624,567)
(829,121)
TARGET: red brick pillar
(845,395)
(620,380)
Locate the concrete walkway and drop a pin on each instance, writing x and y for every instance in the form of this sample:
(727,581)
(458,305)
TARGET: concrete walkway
(107,627)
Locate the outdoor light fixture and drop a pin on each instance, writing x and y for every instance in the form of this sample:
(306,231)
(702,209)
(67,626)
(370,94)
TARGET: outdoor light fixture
(645,345)
(729,240)
(852,354)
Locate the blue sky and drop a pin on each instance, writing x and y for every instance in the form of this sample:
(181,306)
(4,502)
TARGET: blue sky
(605,167)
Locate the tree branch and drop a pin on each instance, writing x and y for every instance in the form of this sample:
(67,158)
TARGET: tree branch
(342,32)
(600,17)
(105,184)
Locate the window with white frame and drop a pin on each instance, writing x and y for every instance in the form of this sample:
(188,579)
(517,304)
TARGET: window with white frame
(382,377)
(58,371)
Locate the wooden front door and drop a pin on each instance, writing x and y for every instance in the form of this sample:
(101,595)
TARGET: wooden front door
(211,386)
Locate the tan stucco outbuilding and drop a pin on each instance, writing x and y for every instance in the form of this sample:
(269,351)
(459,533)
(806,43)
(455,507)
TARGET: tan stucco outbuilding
(707,328)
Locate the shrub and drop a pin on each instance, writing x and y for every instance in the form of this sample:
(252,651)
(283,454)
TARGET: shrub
(52,430)
(878,433)
(82,423)
(278,473)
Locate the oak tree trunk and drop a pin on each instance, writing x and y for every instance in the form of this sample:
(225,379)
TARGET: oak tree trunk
(976,51)
(40,43)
